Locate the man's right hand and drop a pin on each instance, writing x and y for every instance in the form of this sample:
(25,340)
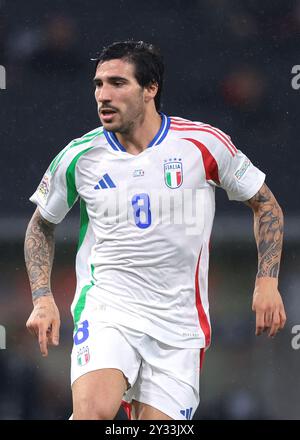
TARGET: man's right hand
(44,322)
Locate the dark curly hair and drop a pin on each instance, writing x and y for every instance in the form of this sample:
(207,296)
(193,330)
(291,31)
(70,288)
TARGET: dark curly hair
(147,60)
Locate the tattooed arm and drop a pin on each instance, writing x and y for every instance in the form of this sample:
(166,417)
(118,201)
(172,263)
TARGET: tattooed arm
(268,231)
(44,320)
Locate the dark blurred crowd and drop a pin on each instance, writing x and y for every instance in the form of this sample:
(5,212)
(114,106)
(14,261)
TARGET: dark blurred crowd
(227,63)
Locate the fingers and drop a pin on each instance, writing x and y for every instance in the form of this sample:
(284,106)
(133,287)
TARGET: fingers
(282,318)
(54,333)
(267,320)
(30,328)
(38,329)
(43,332)
(260,323)
(274,327)
(278,321)
(43,340)
(44,322)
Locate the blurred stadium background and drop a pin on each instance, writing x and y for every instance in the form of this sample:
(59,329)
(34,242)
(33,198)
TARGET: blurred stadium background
(227,63)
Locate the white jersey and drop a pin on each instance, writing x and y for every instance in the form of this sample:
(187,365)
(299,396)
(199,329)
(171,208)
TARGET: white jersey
(146,221)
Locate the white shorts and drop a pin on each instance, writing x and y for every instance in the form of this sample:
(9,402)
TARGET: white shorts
(159,375)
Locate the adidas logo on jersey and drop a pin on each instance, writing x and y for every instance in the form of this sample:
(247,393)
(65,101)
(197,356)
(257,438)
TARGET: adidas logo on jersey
(105,183)
(187,413)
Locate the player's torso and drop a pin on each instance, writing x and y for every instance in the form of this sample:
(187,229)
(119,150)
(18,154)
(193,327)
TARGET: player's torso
(151,215)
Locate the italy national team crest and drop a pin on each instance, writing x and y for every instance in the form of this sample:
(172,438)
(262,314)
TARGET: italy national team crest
(173,173)
(83,356)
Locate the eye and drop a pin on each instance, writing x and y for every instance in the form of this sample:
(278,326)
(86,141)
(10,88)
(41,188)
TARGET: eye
(118,82)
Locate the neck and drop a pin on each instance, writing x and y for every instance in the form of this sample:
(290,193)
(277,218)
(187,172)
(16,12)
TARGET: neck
(141,134)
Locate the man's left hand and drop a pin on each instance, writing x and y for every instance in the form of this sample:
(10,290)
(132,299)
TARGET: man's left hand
(268,306)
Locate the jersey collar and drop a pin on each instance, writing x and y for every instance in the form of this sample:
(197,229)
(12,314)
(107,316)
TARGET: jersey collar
(158,138)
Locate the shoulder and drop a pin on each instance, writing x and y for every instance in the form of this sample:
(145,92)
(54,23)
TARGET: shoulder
(96,132)
(88,139)
(76,148)
(201,133)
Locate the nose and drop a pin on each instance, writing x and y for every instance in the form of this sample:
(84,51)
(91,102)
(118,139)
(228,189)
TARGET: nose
(103,94)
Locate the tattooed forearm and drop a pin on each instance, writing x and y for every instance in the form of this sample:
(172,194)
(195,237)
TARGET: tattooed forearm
(39,253)
(42,291)
(268,230)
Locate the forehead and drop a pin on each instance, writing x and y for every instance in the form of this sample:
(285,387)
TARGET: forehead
(115,68)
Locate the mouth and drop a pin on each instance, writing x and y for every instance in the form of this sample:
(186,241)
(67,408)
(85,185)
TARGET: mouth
(107,114)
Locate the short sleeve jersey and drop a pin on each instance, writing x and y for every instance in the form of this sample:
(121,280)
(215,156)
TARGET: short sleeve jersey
(146,222)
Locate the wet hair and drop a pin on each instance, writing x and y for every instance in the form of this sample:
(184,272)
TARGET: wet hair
(147,60)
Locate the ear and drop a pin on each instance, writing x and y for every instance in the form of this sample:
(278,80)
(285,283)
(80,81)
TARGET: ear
(150,92)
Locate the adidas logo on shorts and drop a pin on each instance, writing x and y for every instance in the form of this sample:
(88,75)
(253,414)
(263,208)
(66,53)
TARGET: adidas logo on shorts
(187,413)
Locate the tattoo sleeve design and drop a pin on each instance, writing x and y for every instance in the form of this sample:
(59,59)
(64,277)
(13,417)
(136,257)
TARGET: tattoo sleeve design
(42,291)
(39,253)
(268,230)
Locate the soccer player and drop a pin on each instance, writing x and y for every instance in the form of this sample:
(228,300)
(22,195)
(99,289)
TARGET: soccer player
(146,184)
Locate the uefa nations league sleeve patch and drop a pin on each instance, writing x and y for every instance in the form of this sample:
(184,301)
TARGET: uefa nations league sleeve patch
(44,188)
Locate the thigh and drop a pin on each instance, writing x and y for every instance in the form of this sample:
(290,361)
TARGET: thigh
(98,394)
(104,347)
(143,411)
(103,365)
(168,381)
